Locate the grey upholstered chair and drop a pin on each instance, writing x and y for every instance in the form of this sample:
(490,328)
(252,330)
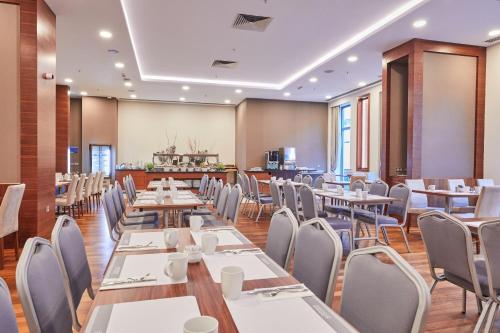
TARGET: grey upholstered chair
(205,211)
(318,253)
(281,237)
(67,200)
(7,316)
(9,216)
(218,216)
(419,203)
(485,182)
(276,195)
(95,187)
(67,242)
(308,180)
(127,221)
(459,205)
(227,211)
(298,178)
(448,243)
(488,204)
(210,191)
(40,285)
(79,195)
(318,182)
(396,211)
(489,236)
(87,192)
(378,297)
(248,195)
(202,190)
(290,194)
(357,185)
(260,201)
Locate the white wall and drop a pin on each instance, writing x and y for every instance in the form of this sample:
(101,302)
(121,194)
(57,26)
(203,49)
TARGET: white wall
(142,128)
(492,116)
(375,117)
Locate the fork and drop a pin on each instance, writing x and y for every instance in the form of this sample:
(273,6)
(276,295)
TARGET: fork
(276,292)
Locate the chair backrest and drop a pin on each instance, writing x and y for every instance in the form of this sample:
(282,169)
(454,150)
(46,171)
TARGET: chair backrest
(399,207)
(281,237)
(489,234)
(309,209)
(9,209)
(355,178)
(233,204)
(133,188)
(317,269)
(71,193)
(372,295)
(88,185)
(254,185)
(485,182)
(7,315)
(276,194)
(217,190)
(79,187)
(97,179)
(488,204)
(67,241)
(110,213)
(119,189)
(128,190)
(298,178)
(357,185)
(455,255)
(222,202)
(308,180)
(291,198)
(101,182)
(246,185)
(379,187)
(40,285)
(418,200)
(203,185)
(452,186)
(239,180)
(318,182)
(116,201)
(210,190)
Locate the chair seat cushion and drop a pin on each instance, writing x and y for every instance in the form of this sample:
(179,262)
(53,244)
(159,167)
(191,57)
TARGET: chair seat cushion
(199,211)
(140,220)
(337,209)
(369,217)
(141,214)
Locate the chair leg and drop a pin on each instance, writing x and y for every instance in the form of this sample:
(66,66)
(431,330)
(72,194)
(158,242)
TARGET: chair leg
(260,211)
(479,305)
(433,285)
(490,322)
(1,253)
(384,233)
(464,301)
(16,245)
(482,321)
(406,240)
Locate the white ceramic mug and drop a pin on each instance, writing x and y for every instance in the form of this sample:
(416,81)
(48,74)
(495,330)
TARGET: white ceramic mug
(231,278)
(171,237)
(203,324)
(177,264)
(195,223)
(209,242)
(431,187)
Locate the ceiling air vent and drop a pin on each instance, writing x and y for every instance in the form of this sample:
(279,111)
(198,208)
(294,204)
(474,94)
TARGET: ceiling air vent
(251,22)
(224,64)
(493,40)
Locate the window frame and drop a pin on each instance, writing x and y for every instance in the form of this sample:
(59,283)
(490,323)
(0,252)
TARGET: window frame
(359,133)
(343,129)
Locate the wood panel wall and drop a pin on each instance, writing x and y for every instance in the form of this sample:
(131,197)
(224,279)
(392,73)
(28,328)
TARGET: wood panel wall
(414,50)
(62,128)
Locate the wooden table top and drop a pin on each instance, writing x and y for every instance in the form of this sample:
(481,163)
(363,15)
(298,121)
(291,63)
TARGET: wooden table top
(474,222)
(350,197)
(166,204)
(447,193)
(200,284)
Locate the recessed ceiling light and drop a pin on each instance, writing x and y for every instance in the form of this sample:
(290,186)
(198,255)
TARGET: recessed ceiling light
(238,91)
(362,84)
(105,34)
(313,79)
(494,33)
(328,97)
(352,58)
(119,65)
(185,88)
(68,80)
(286,94)
(419,23)
(83,93)
(182,99)
(133,96)
(128,84)
(227,101)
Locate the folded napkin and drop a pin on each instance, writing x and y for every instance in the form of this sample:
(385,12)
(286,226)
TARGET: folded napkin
(122,283)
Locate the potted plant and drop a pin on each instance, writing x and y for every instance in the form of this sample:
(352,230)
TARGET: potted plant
(220,167)
(150,166)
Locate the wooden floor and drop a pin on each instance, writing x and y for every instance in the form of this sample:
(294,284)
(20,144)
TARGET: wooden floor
(445,314)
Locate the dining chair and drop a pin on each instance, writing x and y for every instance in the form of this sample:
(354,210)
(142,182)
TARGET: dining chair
(204,210)
(290,194)
(79,196)
(419,203)
(281,237)
(87,192)
(41,290)
(260,201)
(247,191)
(229,212)
(488,204)
(276,195)
(485,182)
(396,211)
(95,188)
(381,297)
(8,321)
(318,253)
(308,180)
(128,190)
(68,245)
(318,182)
(458,205)
(127,221)
(67,200)
(357,184)
(123,205)
(220,210)
(202,189)
(454,257)
(208,196)
(489,236)
(9,217)
(298,178)
(357,179)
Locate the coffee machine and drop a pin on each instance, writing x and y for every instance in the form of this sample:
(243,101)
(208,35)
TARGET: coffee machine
(272,159)
(287,158)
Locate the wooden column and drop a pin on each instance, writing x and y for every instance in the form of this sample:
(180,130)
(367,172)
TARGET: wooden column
(62,128)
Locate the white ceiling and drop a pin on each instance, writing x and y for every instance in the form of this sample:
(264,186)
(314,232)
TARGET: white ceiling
(179,39)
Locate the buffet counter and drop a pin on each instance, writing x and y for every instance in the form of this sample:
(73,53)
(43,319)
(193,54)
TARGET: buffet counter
(143,177)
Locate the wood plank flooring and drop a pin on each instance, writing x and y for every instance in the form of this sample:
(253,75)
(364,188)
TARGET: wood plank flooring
(445,315)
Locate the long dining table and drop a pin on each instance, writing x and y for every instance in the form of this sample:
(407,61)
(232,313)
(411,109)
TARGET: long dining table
(447,195)
(208,295)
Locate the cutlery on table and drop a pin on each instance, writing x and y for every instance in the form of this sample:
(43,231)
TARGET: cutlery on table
(274,289)
(238,251)
(145,278)
(138,246)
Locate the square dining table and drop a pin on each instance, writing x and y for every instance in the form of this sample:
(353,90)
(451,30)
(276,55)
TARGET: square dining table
(448,195)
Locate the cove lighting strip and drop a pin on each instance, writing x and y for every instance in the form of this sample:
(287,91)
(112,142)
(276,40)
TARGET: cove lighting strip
(344,46)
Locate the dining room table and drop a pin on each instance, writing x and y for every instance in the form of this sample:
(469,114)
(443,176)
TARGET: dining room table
(447,195)
(163,305)
(345,183)
(280,182)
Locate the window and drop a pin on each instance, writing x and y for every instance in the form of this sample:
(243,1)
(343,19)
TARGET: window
(363,134)
(100,157)
(345,138)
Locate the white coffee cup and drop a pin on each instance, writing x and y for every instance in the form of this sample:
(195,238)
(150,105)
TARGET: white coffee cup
(431,187)
(171,237)
(231,278)
(203,324)
(177,264)
(340,189)
(359,192)
(195,223)
(209,242)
